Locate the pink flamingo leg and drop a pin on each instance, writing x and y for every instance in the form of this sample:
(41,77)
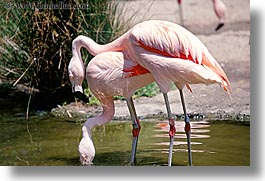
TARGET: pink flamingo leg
(135,131)
(187,127)
(172,129)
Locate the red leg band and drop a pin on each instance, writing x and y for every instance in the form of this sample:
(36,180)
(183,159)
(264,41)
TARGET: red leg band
(172,128)
(136,130)
(187,128)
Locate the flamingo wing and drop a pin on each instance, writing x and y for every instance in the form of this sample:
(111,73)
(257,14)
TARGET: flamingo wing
(167,39)
(171,40)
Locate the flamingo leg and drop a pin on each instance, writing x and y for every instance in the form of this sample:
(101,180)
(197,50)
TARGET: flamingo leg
(187,127)
(135,130)
(172,129)
(181,14)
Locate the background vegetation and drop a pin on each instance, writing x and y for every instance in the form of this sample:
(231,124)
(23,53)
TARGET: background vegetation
(35,44)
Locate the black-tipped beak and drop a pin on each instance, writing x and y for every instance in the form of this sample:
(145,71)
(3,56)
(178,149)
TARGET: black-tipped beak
(220,25)
(81,96)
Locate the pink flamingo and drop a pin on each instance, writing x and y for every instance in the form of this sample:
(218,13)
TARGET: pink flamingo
(108,74)
(219,9)
(171,54)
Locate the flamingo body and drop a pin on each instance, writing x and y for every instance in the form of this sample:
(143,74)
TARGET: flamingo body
(172,53)
(109,74)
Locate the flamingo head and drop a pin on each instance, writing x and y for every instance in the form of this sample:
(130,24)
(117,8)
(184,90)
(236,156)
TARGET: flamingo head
(86,152)
(86,149)
(76,73)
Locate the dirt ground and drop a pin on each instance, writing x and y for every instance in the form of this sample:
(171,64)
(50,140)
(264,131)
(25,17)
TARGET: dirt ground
(230,46)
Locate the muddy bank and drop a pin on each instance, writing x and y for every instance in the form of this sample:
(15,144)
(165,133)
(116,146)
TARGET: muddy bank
(154,108)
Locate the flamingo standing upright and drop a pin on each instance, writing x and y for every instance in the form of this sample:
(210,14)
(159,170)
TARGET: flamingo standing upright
(172,54)
(108,74)
(219,9)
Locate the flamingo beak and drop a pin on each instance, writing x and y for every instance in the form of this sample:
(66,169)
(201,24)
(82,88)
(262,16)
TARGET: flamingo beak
(79,93)
(81,96)
(77,88)
(220,25)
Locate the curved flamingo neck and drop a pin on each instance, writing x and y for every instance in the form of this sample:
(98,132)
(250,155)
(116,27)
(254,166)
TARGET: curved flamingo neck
(106,116)
(76,46)
(95,48)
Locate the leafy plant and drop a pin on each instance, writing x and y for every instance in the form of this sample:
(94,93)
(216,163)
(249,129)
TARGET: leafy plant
(149,90)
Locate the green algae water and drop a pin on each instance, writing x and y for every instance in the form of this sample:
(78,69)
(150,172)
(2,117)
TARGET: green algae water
(50,141)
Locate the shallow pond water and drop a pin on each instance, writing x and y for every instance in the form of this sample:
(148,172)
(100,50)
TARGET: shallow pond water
(45,140)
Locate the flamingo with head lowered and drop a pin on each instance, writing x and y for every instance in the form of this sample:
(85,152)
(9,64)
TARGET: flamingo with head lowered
(107,74)
(171,54)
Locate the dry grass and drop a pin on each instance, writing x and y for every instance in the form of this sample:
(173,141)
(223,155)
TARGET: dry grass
(35,44)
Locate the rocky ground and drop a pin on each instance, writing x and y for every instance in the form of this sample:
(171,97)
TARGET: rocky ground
(230,46)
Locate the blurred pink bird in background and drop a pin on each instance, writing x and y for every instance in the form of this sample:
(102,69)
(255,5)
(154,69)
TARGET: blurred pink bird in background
(171,54)
(219,9)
